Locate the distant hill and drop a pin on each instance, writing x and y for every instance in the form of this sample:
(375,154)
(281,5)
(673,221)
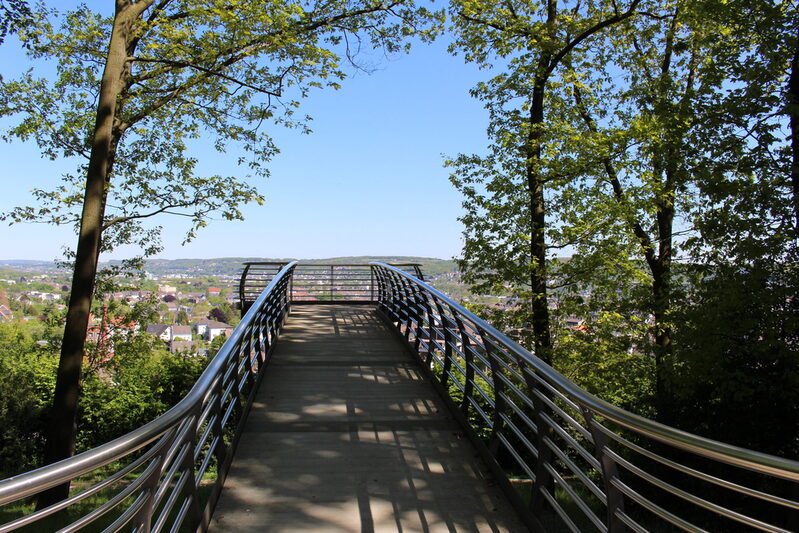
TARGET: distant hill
(231,266)
(27,266)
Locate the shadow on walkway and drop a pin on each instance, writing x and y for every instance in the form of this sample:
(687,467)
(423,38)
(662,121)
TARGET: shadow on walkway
(346,435)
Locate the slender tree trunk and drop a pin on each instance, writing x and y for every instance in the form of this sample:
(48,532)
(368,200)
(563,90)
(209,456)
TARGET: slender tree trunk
(666,162)
(793,113)
(659,261)
(535,190)
(60,442)
(661,298)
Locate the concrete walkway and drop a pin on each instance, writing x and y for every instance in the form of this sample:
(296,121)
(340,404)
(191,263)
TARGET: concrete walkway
(346,435)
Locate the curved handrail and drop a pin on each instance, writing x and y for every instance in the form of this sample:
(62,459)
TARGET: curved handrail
(316,283)
(212,402)
(448,336)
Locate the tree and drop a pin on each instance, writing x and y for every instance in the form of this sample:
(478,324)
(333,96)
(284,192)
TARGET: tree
(133,91)
(182,317)
(506,192)
(670,160)
(689,166)
(738,340)
(14,15)
(223,312)
(632,179)
(25,393)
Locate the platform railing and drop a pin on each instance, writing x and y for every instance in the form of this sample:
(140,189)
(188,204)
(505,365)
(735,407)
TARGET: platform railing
(568,460)
(317,282)
(166,475)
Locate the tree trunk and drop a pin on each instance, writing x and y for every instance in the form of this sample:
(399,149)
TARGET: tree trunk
(535,190)
(793,112)
(661,297)
(60,439)
(539,304)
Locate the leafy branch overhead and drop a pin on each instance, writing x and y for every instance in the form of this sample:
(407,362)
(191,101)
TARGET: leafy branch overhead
(219,72)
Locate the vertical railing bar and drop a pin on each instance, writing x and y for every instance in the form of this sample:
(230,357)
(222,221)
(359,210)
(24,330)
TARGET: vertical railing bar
(499,395)
(615,497)
(242,301)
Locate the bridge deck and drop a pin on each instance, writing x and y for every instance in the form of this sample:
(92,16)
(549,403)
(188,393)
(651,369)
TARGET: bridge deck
(347,435)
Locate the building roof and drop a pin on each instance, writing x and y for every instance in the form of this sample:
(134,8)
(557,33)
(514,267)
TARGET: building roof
(181,330)
(215,324)
(157,329)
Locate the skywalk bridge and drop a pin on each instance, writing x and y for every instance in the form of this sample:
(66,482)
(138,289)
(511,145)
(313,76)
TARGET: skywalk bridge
(386,406)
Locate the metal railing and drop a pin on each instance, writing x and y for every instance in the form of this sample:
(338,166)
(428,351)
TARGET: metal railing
(568,460)
(317,282)
(161,476)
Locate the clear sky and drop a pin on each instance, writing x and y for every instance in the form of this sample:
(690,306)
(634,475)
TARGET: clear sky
(369,180)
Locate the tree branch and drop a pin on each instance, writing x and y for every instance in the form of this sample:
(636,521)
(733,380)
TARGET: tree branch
(164,209)
(557,58)
(644,240)
(212,72)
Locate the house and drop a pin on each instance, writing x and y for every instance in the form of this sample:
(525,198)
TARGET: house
(5,313)
(210,329)
(162,331)
(181,333)
(214,291)
(171,334)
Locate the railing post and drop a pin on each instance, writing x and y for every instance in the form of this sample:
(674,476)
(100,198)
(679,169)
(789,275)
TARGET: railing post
(420,309)
(543,479)
(285,297)
(258,338)
(291,285)
(242,282)
(331,282)
(467,368)
(431,329)
(448,341)
(499,395)
(405,297)
(391,296)
(220,451)
(190,489)
(615,498)
(144,516)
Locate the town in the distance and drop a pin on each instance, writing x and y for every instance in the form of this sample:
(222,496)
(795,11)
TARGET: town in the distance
(189,304)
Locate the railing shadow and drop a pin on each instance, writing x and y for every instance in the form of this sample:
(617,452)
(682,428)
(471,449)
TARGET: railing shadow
(339,441)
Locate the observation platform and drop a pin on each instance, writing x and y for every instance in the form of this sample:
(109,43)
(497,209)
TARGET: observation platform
(346,434)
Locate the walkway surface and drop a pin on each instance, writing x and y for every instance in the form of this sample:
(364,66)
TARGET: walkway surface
(346,435)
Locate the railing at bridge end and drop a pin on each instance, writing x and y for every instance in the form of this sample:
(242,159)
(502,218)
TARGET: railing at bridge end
(311,283)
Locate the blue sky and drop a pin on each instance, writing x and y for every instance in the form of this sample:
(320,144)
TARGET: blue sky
(368,180)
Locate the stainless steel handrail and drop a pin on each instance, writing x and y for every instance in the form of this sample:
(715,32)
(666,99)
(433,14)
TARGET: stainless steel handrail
(316,282)
(613,470)
(168,457)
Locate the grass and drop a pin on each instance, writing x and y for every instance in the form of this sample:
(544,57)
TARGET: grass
(69,515)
